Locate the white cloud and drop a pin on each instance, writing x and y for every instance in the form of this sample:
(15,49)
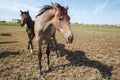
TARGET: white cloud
(13,7)
(99,7)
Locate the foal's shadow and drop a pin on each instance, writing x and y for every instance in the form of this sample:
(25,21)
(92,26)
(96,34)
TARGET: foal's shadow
(78,58)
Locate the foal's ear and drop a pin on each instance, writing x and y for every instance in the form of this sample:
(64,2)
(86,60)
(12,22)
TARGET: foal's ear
(28,11)
(52,3)
(21,11)
(67,8)
(54,6)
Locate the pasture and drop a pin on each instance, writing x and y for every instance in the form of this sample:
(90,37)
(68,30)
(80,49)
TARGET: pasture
(93,55)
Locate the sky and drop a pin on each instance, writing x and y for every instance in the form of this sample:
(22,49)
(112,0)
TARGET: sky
(80,11)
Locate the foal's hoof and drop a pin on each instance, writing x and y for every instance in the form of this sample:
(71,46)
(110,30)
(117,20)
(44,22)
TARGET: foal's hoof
(31,51)
(48,69)
(58,54)
(42,74)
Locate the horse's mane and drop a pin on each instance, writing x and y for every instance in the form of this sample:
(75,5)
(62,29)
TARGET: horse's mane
(44,8)
(48,7)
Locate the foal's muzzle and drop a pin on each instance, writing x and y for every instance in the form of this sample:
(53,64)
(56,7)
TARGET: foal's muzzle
(70,39)
(22,24)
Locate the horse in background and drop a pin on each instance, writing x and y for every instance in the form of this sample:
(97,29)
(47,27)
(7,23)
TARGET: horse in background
(26,19)
(52,17)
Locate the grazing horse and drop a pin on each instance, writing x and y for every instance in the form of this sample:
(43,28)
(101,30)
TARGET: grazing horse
(26,19)
(52,17)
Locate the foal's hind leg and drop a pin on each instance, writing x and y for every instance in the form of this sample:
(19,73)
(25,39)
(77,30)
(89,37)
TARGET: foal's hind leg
(30,44)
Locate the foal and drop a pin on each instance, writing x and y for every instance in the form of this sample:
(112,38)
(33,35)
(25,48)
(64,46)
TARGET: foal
(51,16)
(26,19)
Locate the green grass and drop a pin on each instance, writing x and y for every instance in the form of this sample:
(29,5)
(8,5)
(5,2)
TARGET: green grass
(9,24)
(94,53)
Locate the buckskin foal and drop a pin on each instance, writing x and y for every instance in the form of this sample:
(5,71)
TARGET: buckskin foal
(50,18)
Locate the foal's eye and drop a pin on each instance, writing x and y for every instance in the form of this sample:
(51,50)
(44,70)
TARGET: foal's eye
(61,18)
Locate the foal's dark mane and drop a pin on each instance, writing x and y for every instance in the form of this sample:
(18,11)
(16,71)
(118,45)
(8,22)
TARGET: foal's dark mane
(48,7)
(28,15)
(44,8)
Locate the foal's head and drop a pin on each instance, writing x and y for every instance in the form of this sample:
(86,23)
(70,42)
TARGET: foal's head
(61,22)
(24,17)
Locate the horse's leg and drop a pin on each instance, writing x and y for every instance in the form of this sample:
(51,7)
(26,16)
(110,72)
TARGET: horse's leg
(48,54)
(31,44)
(33,35)
(55,46)
(54,41)
(40,54)
(29,40)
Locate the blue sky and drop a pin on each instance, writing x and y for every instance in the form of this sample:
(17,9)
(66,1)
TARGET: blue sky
(81,11)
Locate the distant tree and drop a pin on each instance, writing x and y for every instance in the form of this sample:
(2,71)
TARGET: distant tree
(3,21)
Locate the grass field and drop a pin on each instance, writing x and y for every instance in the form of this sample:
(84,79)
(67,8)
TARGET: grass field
(94,55)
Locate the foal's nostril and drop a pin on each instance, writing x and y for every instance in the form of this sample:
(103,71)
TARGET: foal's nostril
(70,39)
(22,24)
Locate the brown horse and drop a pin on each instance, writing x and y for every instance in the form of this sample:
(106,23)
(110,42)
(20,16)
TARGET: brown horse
(26,19)
(50,18)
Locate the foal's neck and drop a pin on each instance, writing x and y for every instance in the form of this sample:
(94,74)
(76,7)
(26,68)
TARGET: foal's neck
(30,23)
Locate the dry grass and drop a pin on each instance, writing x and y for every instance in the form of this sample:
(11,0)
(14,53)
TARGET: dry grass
(94,55)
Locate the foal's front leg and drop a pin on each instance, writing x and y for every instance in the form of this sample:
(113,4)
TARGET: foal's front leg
(48,54)
(55,46)
(31,44)
(54,42)
(29,41)
(40,55)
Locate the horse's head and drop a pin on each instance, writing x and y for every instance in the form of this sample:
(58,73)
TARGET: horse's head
(61,22)
(24,17)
